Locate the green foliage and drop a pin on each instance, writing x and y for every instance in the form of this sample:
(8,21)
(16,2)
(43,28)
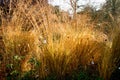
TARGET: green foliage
(51,77)
(30,75)
(76,75)
(83,75)
(16,73)
(34,62)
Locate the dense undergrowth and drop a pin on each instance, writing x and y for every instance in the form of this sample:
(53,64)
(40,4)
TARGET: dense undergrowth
(42,44)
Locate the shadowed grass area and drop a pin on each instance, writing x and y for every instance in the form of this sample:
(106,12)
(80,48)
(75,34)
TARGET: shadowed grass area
(111,58)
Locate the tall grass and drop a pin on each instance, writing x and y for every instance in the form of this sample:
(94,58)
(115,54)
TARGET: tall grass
(111,59)
(64,52)
(36,35)
(20,47)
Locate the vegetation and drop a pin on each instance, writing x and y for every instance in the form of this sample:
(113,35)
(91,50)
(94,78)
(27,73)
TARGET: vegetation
(40,42)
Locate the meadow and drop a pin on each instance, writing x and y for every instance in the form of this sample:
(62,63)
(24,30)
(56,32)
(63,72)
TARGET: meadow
(39,42)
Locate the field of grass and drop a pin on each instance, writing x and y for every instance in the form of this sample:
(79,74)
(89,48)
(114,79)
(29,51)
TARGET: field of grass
(37,42)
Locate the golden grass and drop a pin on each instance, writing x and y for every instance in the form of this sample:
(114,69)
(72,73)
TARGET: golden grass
(19,43)
(111,58)
(60,46)
(65,50)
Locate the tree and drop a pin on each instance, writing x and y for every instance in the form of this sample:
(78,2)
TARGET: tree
(112,7)
(74,5)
